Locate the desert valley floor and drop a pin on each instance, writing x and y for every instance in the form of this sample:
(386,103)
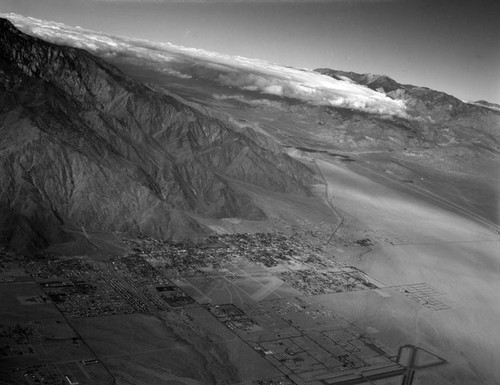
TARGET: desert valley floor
(405,292)
(331,228)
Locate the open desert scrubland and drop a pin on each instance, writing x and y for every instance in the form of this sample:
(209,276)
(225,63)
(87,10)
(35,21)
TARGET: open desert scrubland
(453,254)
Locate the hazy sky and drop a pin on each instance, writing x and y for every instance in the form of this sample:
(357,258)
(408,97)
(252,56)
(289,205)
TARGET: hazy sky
(448,45)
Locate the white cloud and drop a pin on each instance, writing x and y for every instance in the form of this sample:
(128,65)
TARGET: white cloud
(233,71)
(175,73)
(261,102)
(239,1)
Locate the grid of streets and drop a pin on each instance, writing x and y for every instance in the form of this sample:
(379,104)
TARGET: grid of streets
(424,294)
(259,286)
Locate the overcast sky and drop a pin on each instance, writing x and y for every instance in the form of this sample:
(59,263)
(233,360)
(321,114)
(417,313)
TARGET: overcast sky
(448,45)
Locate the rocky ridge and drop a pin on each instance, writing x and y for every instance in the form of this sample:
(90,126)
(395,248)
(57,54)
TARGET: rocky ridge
(436,118)
(83,145)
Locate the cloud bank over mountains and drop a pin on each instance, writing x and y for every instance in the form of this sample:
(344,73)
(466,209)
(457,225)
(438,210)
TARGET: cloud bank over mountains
(237,1)
(237,72)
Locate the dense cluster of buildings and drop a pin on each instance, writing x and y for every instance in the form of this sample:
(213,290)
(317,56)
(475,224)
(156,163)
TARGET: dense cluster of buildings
(312,282)
(267,249)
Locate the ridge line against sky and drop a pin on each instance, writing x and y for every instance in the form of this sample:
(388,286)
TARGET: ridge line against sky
(236,1)
(446,45)
(238,72)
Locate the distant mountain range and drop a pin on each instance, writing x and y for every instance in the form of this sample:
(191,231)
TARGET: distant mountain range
(82,144)
(424,103)
(487,104)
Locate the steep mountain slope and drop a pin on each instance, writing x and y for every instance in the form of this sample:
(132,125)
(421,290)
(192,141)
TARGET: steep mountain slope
(81,144)
(355,112)
(439,118)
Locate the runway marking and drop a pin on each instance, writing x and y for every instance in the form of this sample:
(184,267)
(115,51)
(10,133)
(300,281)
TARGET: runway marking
(267,289)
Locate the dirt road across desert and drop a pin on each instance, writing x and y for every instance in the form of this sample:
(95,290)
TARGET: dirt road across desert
(441,273)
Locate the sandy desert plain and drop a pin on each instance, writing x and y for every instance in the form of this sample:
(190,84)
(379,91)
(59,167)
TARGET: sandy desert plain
(426,275)
(387,275)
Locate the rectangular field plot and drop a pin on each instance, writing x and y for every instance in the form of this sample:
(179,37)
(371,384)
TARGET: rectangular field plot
(237,288)
(253,322)
(75,372)
(174,296)
(25,301)
(124,286)
(168,346)
(234,318)
(46,352)
(302,340)
(271,381)
(52,269)
(213,290)
(44,340)
(424,294)
(11,269)
(265,287)
(317,357)
(303,315)
(78,300)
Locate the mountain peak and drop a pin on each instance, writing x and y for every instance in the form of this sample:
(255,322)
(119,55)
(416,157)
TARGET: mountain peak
(245,75)
(372,81)
(6,25)
(84,145)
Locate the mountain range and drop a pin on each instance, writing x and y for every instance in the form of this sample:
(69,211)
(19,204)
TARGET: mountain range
(105,143)
(84,145)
